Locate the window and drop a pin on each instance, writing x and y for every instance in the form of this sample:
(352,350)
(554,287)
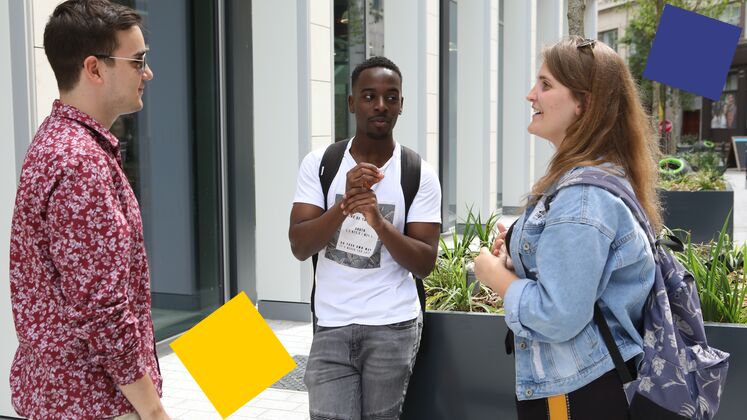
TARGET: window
(732,14)
(609,38)
(359,34)
(448,109)
(499,144)
(170,152)
(724,111)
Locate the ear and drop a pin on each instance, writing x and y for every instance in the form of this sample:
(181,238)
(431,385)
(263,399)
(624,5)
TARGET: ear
(351,108)
(92,69)
(401,105)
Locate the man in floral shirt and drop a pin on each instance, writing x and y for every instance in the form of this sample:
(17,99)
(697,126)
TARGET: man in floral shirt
(78,270)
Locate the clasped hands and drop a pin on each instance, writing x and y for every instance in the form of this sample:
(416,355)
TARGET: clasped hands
(359,194)
(494,267)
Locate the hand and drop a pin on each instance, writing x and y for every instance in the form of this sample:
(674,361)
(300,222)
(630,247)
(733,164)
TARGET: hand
(144,398)
(362,176)
(500,239)
(487,266)
(156,416)
(499,246)
(492,271)
(366,204)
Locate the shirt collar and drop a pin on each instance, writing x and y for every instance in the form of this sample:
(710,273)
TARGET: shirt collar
(60,109)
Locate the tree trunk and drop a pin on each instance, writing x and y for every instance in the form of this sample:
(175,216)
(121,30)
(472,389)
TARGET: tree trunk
(576,10)
(660,91)
(675,110)
(658,113)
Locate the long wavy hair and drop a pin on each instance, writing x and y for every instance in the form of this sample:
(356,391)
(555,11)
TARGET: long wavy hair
(613,127)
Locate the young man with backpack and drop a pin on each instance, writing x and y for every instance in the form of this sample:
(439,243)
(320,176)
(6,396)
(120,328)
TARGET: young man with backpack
(374,233)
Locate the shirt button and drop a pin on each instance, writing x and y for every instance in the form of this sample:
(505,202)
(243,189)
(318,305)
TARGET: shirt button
(529,392)
(523,345)
(526,246)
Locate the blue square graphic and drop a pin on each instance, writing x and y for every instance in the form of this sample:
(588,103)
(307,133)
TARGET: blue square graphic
(692,52)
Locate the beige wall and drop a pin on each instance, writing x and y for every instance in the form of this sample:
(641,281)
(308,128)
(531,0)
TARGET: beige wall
(7,192)
(614,15)
(476,99)
(493,116)
(322,87)
(46,86)
(432,85)
(411,41)
(293,114)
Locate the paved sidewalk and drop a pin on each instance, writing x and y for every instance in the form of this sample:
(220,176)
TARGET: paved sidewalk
(184,400)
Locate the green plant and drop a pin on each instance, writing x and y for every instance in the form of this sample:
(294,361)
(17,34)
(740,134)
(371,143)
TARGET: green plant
(694,181)
(688,139)
(719,270)
(708,160)
(447,288)
(485,232)
(700,169)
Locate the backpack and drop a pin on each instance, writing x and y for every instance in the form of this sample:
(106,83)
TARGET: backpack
(680,376)
(409,181)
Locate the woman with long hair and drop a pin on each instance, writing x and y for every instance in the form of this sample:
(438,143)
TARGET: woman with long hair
(580,245)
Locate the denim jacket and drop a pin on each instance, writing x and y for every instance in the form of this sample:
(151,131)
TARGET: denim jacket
(587,247)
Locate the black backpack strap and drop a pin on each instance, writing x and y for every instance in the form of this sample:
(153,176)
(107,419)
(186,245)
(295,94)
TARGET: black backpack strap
(509,340)
(410,182)
(328,168)
(604,329)
(409,177)
(330,165)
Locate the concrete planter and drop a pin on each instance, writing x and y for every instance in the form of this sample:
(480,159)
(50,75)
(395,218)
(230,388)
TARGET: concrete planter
(731,338)
(701,212)
(462,370)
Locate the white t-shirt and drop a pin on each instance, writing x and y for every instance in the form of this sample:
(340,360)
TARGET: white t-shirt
(358,281)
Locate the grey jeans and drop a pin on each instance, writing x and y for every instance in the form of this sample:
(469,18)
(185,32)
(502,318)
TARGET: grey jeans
(361,371)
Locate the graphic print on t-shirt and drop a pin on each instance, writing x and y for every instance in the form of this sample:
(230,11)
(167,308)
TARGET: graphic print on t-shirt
(356,244)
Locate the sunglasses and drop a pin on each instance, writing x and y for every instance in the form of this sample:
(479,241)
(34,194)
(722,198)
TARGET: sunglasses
(141,64)
(586,43)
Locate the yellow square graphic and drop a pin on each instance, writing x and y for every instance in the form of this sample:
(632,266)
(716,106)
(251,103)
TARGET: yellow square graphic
(233,355)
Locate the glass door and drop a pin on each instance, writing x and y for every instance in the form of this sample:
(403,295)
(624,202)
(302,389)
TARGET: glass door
(171,155)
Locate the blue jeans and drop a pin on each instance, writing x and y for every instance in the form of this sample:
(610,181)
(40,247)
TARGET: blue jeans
(361,371)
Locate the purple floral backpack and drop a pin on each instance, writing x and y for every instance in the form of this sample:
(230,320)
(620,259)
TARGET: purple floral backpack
(680,376)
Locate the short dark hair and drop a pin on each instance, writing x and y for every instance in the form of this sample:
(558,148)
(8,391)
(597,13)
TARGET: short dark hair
(378,61)
(81,28)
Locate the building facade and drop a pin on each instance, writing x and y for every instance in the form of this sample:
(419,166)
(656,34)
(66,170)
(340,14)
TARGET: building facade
(612,22)
(696,117)
(243,90)
(721,120)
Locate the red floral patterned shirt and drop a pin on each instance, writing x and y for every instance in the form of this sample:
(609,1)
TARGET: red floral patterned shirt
(78,276)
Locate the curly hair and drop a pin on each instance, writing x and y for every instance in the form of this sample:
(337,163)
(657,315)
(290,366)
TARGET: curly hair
(372,62)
